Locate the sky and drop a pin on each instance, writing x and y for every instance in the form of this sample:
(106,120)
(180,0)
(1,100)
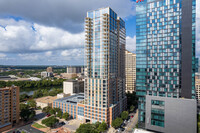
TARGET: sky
(51,32)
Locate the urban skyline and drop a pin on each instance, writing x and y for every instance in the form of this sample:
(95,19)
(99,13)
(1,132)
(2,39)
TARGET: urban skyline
(68,51)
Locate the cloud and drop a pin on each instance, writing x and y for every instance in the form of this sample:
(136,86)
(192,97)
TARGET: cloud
(48,53)
(131,43)
(2,55)
(65,14)
(25,37)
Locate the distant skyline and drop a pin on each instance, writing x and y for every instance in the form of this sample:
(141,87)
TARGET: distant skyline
(51,32)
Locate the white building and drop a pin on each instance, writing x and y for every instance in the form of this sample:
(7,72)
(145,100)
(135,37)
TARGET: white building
(46,74)
(73,86)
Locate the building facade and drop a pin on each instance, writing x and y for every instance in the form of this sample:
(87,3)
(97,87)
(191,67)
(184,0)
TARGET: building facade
(9,107)
(73,86)
(165,48)
(49,69)
(197,65)
(70,104)
(75,69)
(130,71)
(105,65)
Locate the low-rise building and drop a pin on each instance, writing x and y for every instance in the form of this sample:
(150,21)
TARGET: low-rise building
(9,107)
(46,74)
(62,95)
(73,87)
(75,69)
(45,101)
(68,75)
(69,104)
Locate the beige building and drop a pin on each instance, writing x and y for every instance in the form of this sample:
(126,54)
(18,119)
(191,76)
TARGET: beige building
(68,75)
(45,101)
(130,71)
(9,107)
(197,86)
(49,69)
(73,86)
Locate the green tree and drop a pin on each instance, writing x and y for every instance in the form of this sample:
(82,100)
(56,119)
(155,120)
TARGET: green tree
(65,115)
(59,114)
(52,112)
(26,113)
(32,103)
(46,109)
(124,115)
(97,124)
(117,122)
(102,127)
(86,128)
(50,122)
(24,97)
(132,108)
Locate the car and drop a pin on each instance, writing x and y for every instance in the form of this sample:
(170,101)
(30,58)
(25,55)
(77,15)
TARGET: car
(132,116)
(48,115)
(62,123)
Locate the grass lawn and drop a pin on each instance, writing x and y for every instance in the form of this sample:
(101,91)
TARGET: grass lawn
(38,125)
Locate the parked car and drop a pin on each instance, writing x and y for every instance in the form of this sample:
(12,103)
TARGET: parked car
(48,115)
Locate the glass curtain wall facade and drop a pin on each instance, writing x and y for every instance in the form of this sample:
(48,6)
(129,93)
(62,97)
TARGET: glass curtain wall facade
(105,65)
(165,45)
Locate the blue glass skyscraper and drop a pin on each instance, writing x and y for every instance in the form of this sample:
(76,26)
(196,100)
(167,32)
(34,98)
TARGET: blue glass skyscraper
(165,48)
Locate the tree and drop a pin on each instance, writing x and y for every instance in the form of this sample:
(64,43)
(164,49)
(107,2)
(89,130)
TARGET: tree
(52,112)
(50,122)
(65,115)
(31,103)
(97,124)
(132,99)
(26,112)
(132,108)
(102,127)
(23,97)
(117,122)
(86,128)
(59,114)
(46,110)
(124,115)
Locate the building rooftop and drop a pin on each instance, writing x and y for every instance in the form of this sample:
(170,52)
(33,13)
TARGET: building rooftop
(47,99)
(74,99)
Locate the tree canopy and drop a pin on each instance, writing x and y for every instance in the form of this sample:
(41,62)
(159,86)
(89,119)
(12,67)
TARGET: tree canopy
(117,122)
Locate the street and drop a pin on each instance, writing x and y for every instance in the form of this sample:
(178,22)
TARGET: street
(132,123)
(27,128)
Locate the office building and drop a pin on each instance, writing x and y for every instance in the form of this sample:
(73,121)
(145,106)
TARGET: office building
(49,69)
(105,43)
(75,69)
(9,107)
(73,86)
(46,74)
(130,69)
(165,49)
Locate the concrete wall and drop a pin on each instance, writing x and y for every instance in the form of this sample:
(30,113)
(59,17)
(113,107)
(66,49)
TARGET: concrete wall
(180,115)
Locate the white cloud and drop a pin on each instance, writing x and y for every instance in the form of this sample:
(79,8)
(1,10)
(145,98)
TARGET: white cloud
(65,14)
(19,37)
(2,55)
(29,57)
(48,53)
(131,43)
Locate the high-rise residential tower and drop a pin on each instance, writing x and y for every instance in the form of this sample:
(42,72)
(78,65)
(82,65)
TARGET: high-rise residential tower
(165,48)
(9,107)
(130,69)
(105,65)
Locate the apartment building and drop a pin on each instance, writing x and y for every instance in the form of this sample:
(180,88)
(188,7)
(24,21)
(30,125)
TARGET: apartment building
(130,69)
(9,107)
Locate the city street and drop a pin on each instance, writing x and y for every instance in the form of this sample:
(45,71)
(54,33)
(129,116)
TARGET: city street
(132,123)
(26,128)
